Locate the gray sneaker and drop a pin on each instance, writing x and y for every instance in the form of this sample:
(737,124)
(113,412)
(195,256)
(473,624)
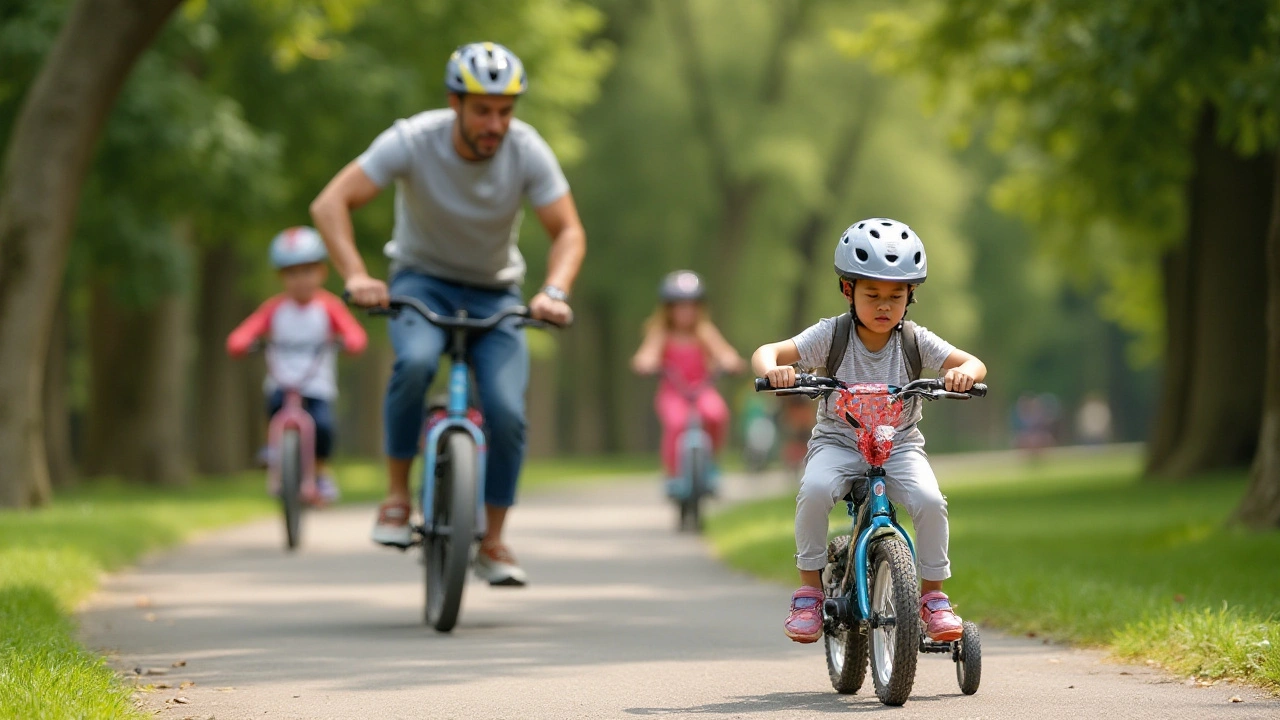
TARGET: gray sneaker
(497,566)
(392,526)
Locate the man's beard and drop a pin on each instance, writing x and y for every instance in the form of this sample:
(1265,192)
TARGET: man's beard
(474,144)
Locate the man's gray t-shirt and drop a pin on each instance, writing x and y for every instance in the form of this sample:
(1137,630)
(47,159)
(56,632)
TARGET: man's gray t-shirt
(458,219)
(887,366)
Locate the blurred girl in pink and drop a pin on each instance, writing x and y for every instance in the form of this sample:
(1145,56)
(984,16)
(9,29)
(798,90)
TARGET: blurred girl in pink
(684,346)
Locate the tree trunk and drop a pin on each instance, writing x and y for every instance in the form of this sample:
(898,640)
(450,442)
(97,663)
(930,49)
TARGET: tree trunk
(1261,505)
(47,156)
(1223,307)
(57,409)
(219,438)
(138,363)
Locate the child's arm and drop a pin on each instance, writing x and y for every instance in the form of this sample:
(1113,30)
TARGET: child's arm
(961,370)
(253,327)
(648,359)
(344,324)
(722,353)
(775,360)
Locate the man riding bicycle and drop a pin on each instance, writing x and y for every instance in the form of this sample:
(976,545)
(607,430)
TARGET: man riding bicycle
(461,176)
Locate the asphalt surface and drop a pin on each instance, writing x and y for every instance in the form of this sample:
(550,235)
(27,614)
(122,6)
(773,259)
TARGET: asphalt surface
(624,618)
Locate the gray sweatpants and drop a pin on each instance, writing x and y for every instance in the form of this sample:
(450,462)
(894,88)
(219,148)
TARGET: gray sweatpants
(828,475)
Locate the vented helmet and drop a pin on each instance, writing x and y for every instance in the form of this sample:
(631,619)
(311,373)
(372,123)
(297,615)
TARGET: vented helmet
(881,249)
(485,68)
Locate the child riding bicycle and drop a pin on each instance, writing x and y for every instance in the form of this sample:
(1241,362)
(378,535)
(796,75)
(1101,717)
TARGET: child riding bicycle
(682,343)
(301,322)
(880,263)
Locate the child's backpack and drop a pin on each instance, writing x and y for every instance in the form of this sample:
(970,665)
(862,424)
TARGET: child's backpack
(840,341)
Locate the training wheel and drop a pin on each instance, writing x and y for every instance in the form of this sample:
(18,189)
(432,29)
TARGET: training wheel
(968,658)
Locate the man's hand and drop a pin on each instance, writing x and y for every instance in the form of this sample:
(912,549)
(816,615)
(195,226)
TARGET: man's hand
(366,291)
(555,312)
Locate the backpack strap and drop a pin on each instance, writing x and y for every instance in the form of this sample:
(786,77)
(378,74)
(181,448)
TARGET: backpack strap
(839,342)
(911,350)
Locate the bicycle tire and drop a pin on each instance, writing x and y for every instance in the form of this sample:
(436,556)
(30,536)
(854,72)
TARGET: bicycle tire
(447,548)
(291,487)
(847,649)
(969,664)
(894,649)
(697,488)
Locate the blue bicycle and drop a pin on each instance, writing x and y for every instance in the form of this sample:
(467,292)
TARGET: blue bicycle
(873,595)
(454,451)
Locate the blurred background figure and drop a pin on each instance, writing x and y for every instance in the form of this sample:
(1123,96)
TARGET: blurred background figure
(1093,421)
(1035,419)
(684,347)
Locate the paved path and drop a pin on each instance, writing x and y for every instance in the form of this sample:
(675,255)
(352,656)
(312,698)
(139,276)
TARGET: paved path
(624,619)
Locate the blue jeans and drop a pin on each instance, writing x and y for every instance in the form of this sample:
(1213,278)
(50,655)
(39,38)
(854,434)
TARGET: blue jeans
(320,413)
(499,360)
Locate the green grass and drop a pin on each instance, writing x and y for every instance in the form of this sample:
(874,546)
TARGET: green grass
(1079,552)
(52,559)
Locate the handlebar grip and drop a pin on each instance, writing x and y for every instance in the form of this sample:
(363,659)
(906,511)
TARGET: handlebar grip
(763,384)
(978,390)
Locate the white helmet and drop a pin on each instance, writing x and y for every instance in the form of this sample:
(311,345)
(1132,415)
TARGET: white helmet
(485,68)
(881,249)
(297,246)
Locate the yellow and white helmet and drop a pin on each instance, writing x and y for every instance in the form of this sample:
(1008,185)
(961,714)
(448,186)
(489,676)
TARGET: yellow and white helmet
(485,68)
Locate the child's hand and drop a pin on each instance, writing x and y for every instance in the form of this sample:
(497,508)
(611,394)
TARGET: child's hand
(643,364)
(958,379)
(781,377)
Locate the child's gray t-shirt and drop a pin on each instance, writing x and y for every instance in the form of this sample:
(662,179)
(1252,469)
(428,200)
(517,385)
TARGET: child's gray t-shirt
(458,219)
(887,366)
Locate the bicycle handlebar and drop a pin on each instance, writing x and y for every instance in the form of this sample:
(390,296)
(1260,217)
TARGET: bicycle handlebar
(397,303)
(931,388)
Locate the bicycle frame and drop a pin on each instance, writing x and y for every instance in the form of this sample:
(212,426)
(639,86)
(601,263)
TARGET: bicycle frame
(881,522)
(455,419)
(292,415)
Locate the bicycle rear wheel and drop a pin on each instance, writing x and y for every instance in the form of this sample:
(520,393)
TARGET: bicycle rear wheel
(447,546)
(895,597)
(291,487)
(846,646)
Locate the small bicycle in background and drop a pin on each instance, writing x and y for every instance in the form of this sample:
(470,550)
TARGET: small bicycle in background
(696,454)
(291,439)
(453,469)
(873,594)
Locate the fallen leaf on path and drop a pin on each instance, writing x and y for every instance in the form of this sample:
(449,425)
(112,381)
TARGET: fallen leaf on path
(297,696)
(181,700)
(1071,687)
(179,663)
(160,686)
(1236,699)
(1125,672)
(156,671)
(186,684)
(223,689)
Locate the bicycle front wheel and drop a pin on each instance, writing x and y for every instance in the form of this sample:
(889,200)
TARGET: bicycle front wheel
(447,546)
(895,609)
(291,487)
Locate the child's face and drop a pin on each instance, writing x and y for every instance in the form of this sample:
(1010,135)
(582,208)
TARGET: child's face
(879,304)
(684,315)
(302,281)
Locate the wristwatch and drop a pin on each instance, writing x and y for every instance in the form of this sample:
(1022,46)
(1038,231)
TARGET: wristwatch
(555,293)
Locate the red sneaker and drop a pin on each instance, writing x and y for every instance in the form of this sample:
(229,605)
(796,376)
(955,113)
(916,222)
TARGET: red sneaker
(941,622)
(804,624)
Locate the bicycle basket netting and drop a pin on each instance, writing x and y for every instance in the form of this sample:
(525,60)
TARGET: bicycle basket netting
(873,413)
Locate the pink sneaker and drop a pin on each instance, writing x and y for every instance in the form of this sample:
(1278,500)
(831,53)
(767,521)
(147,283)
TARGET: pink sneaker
(804,624)
(941,623)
